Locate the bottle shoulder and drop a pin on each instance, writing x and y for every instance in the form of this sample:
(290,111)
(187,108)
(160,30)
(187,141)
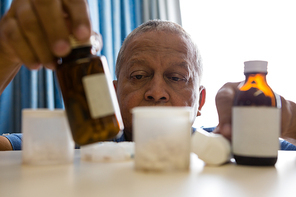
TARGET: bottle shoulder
(89,64)
(76,54)
(255,92)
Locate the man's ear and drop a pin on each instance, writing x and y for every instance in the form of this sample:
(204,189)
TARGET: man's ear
(202,99)
(115,85)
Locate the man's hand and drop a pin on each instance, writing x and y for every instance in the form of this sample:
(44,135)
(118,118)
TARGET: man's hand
(33,32)
(224,101)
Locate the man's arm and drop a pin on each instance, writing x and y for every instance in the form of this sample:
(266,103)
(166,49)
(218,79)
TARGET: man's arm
(4,144)
(9,66)
(224,100)
(288,127)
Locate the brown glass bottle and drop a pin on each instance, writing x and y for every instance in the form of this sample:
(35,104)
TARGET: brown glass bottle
(255,119)
(89,96)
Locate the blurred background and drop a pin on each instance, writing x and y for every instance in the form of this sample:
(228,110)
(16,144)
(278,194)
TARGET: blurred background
(230,32)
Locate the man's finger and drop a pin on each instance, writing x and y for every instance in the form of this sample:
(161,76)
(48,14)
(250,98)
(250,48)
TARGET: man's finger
(12,35)
(79,18)
(224,130)
(34,34)
(50,14)
(224,101)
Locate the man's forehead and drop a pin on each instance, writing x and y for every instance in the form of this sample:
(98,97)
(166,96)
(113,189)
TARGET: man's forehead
(173,46)
(135,61)
(156,39)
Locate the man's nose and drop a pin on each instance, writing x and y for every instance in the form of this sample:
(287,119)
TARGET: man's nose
(157,90)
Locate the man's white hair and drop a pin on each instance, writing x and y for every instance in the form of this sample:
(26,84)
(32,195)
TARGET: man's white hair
(165,26)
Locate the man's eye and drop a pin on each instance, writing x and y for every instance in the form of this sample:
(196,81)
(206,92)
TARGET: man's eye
(176,79)
(138,76)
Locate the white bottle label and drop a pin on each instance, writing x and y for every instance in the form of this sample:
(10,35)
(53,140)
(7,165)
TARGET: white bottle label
(255,131)
(98,95)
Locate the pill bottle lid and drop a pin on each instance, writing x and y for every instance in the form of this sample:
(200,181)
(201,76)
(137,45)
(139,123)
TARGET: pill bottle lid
(255,66)
(95,41)
(76,43)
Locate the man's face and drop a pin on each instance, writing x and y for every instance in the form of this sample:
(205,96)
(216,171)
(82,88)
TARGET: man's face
(157,71)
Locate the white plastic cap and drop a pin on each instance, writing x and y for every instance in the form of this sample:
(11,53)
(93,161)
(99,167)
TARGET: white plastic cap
(255,66)
(212,148)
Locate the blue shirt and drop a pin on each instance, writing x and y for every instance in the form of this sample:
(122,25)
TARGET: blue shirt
(16,140)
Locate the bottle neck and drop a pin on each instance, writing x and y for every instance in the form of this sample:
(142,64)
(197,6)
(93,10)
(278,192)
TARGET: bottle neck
(77,53)
(255,73)
(256,77)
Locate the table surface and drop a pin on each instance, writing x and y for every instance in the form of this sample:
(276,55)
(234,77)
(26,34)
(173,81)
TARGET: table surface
(84,178)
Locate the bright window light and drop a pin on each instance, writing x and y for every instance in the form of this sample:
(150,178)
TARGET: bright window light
(230,32)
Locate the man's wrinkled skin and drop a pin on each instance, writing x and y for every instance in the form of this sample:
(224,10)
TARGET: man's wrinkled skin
(157,72)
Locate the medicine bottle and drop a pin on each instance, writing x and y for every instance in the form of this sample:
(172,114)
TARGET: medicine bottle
(89,96)
(255,118)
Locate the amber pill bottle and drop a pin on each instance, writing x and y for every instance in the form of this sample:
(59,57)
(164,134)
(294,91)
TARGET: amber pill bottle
(255,118)
(89,96)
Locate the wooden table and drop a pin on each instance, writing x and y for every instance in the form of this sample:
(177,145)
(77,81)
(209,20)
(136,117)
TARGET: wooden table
(86,179)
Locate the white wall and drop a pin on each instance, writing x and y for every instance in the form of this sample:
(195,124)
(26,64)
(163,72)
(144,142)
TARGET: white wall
(230,32)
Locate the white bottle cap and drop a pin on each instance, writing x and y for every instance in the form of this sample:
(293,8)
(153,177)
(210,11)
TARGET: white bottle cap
(212,148)
(255,66)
